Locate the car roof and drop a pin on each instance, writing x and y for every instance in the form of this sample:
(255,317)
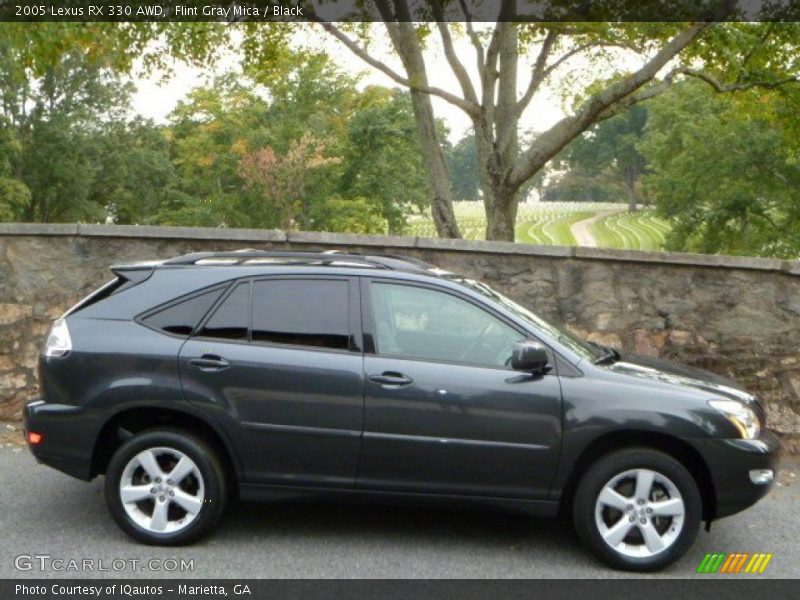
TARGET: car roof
(319,260)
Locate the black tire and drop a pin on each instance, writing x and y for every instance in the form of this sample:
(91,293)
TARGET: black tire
(209,465)
(609,466)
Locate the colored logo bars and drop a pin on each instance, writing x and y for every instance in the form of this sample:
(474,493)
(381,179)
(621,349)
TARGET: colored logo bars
(738,562)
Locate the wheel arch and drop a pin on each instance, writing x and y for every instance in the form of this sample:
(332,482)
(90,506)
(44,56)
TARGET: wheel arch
(675,447)
(131,420)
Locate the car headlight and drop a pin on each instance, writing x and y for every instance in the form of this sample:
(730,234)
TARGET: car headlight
(740,415)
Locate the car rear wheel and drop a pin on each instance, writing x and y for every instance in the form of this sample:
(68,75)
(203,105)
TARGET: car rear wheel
(165,487)
(637,509)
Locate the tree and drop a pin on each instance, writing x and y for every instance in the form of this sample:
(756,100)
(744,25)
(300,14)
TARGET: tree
(576,186)
(133,175)
(52,124)
(349,215)
(14,194)
(727,56)
(68,151)
(382,162)
(462,162)
(370,132)
(217,126)
(606,158)
(30,52)
(313,95)
(735,191)
(209,133)
(282,179)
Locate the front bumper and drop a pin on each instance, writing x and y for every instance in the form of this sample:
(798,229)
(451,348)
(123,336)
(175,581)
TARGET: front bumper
(730,463)
(68,432)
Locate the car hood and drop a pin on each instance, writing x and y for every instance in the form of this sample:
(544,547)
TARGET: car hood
(665,371)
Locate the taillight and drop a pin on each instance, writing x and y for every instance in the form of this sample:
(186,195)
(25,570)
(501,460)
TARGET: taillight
(58,341)
(35,438)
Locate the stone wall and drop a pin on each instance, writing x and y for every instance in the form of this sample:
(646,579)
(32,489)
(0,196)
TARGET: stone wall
(735,316)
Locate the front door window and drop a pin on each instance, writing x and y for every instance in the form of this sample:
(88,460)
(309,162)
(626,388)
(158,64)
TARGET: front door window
(425,324)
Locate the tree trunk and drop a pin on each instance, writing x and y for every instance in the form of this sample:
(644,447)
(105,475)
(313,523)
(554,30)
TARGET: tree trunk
(500,201)
(630,176)
(406,44)
(501,213)
(435,167)
(497,139)
(632,198)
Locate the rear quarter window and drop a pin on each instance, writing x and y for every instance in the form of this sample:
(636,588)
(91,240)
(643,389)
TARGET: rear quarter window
(181,317)
(231,319)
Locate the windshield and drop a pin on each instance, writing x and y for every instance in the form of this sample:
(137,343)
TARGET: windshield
(579,346)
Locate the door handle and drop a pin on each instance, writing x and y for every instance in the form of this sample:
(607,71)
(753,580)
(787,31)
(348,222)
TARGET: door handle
(210,362)
(391,378)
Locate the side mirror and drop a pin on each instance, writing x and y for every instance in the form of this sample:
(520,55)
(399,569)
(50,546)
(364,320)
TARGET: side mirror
(531,357)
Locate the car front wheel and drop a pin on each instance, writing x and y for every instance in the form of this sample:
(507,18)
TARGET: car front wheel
(165,487)
(637,509)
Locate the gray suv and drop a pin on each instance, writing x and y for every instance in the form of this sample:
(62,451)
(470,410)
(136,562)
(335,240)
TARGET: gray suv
(272,375)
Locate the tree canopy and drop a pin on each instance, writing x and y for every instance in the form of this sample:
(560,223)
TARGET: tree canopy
(726,171)
(70,149)
(292,153)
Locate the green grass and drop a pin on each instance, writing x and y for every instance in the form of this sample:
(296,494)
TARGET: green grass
(641,230)
(471,230)
(550,228)
(549,224)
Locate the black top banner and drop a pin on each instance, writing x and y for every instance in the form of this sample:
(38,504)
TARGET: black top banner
(399,10)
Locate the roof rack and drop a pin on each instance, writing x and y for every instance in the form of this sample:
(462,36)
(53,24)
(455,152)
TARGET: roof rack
(250,257)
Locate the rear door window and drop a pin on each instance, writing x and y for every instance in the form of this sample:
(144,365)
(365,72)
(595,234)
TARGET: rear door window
(302,312)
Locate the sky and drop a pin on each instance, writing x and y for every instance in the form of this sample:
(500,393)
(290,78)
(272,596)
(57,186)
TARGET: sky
(156,98)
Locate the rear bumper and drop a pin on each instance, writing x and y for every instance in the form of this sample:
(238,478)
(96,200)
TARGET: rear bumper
(68,436)
(730,463)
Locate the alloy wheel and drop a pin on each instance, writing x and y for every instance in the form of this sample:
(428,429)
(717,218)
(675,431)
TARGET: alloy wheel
(639,513)
(162,490)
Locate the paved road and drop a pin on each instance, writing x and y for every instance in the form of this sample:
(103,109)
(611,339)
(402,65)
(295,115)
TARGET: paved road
(581,230)
(44,512)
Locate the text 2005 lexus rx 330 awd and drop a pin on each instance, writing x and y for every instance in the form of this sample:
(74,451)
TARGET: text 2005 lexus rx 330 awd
(269,375)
